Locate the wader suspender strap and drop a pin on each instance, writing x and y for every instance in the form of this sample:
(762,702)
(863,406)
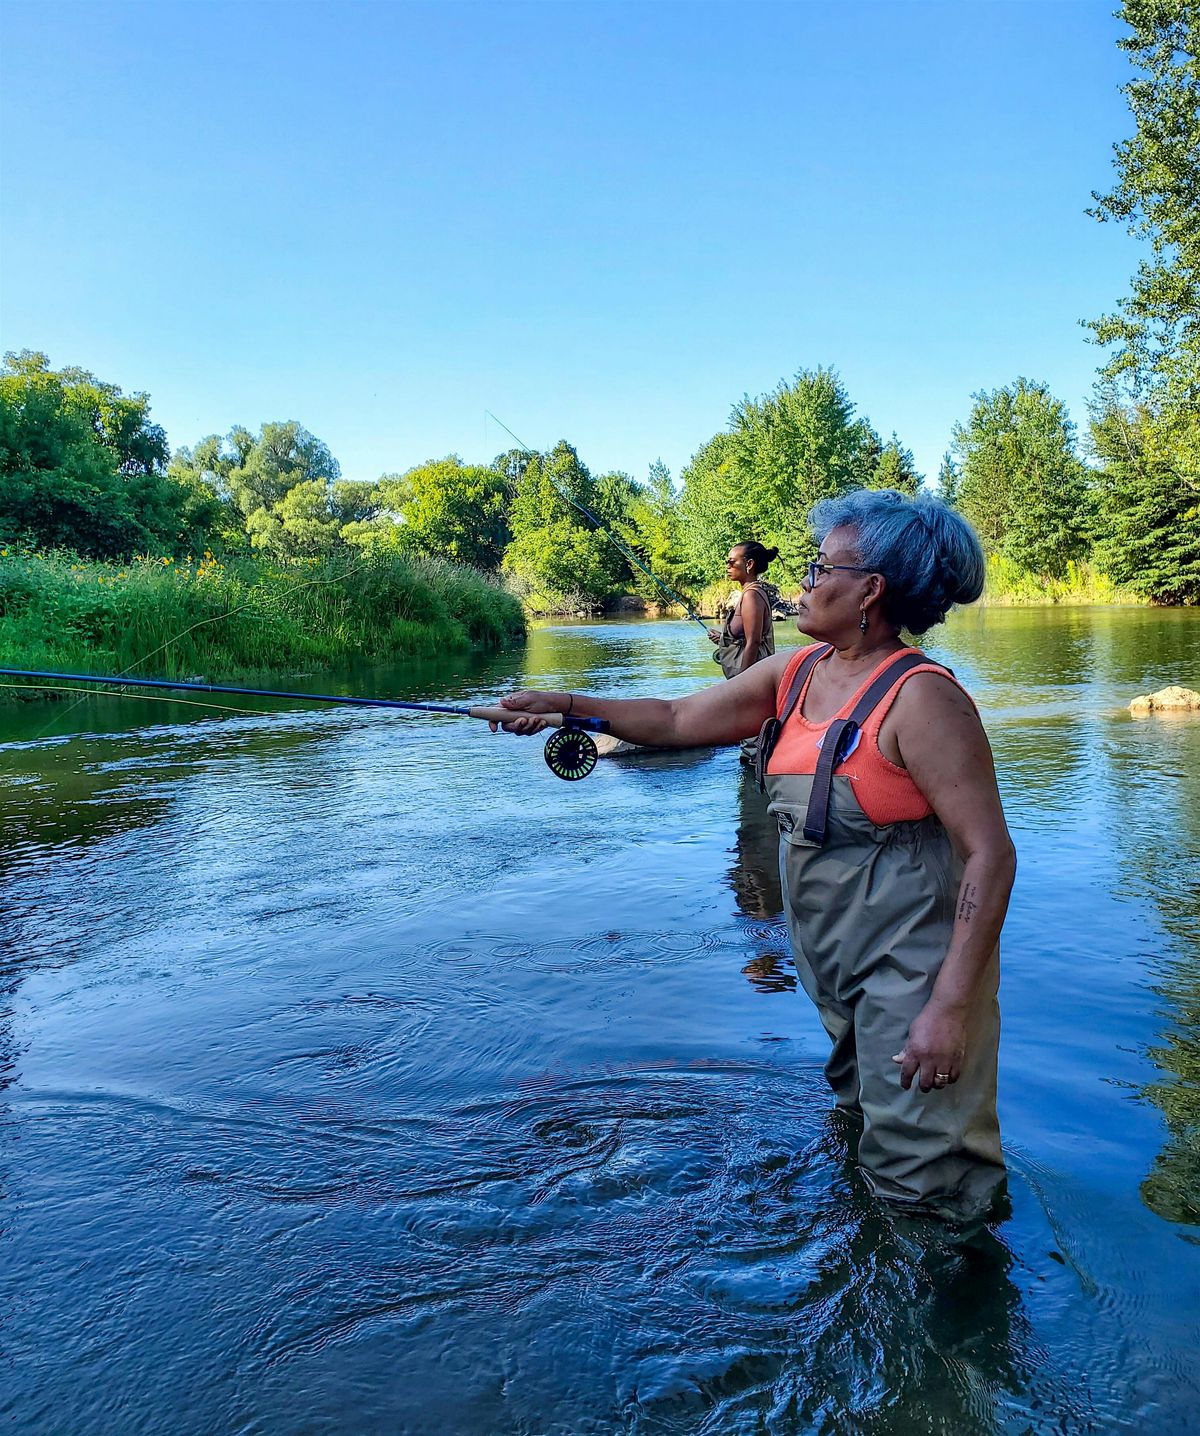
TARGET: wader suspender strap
(754,588)
(768,734)
(838,737)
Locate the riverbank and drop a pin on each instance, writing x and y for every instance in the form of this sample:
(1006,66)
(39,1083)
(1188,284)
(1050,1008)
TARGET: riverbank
(227,619)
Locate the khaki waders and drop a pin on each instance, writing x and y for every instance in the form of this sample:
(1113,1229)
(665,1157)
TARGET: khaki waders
(870,914)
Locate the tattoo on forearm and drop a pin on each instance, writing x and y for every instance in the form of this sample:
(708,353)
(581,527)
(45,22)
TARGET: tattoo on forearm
(968,904)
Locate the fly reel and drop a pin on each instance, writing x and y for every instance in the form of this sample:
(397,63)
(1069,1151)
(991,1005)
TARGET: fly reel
(570,753)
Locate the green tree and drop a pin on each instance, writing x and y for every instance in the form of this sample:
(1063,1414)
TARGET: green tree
(1156,329)
(83,467)
(356,501)
(658,538)
(1149,505)
(782,453)
(1020,481)
(457,511)
(1146,424)
(895,469)
(250,475)
(557,560)
(512,463)
(948,480)
(710,506)
(299,525)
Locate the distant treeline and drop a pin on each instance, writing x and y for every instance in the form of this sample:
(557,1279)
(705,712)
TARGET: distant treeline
(84,470)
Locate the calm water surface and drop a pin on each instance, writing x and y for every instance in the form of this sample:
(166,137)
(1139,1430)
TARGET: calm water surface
(359,1076)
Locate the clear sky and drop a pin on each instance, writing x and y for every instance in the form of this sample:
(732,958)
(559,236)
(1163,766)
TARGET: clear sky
(603,222)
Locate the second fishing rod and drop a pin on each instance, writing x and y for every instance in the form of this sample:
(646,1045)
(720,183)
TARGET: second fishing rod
(599,525)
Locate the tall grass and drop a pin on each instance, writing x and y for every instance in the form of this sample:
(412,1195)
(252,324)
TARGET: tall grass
(221,620)
(1083,583)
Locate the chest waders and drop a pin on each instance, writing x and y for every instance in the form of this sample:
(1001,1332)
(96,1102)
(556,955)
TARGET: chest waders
(731,647)
(870,913)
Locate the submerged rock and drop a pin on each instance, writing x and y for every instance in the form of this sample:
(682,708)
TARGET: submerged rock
(609,747)
(1173,699)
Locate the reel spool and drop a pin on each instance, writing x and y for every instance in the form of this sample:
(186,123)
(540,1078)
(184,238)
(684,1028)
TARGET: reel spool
(570,753)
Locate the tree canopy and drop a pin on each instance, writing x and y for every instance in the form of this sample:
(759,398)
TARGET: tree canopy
(1146,423)
(556,557)
(1018,479)
(83,467)
(780,455)
(274,488)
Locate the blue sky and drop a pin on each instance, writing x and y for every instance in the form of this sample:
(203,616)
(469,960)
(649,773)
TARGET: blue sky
(603,222)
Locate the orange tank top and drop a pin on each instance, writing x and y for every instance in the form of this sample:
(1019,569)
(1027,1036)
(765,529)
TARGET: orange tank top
(885,792)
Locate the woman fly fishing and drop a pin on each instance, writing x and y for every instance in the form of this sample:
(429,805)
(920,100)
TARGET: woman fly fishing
(895,857)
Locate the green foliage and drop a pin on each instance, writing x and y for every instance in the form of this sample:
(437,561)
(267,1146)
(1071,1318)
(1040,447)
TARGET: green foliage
(1146,421)
(82,466)
(456,511)
(1149,495)
(252,477)
(245,615)
(783,453)
(557,561)
(657,536)
(710,505)
(1156,330)
(1010,583)
(1017,478)
(895,469)
(355,501)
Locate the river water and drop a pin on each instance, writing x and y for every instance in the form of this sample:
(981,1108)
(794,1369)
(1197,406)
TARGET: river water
(357,1075)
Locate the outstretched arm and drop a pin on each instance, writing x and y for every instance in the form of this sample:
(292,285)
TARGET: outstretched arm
(942,743)
(723,713)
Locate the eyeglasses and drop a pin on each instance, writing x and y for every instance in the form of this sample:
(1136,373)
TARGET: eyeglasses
(816,568)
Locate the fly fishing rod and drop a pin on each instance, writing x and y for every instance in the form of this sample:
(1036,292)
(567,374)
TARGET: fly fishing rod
(570,752)
(598,524)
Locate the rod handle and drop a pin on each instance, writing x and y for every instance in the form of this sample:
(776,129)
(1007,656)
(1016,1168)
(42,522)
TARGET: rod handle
(506,715)
(554,720)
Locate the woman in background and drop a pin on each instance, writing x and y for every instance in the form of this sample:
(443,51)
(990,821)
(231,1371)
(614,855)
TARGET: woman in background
(747,635)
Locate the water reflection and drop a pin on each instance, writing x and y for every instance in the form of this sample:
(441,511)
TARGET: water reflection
(754,876)
(1155,767)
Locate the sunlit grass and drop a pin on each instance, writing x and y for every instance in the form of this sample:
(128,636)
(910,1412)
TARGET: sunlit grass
(202,616)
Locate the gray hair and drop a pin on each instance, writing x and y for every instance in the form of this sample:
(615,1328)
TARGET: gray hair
(927,552)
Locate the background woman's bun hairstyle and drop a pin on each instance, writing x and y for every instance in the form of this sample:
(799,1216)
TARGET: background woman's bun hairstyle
(761,556)
(925,549)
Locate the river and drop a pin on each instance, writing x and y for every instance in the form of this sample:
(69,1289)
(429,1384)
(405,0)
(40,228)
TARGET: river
(357,1075)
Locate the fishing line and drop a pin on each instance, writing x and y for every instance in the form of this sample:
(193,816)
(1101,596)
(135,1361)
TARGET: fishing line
(599,524)
(200,623)
(138,697)
(570,753)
